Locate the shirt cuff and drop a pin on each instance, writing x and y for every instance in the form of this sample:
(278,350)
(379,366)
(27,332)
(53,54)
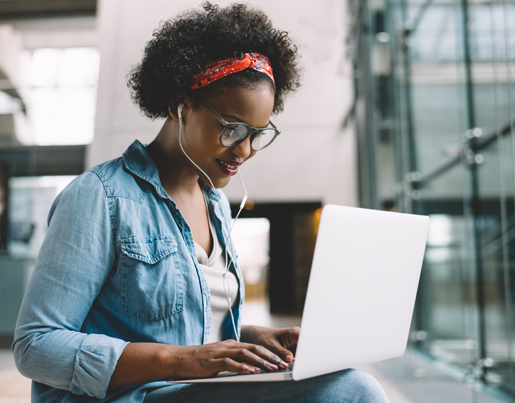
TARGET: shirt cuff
(95,362)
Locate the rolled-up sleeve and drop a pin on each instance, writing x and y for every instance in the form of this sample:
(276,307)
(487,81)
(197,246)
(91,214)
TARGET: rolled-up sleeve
(96,358)
(72,266)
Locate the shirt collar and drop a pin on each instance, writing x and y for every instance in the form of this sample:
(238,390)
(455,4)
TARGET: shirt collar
(208,190)
(138,161)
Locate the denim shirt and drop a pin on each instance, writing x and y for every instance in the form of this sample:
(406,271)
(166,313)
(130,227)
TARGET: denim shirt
(117,265)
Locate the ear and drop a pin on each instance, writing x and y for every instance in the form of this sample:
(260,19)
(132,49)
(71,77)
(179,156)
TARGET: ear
(174,113)
(182,109)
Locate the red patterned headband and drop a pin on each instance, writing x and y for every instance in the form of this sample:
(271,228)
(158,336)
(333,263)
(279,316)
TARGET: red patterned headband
(218,70)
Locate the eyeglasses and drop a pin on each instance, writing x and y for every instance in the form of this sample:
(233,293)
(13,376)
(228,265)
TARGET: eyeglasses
(235,133)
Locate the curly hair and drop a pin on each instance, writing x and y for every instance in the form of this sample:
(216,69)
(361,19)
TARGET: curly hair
(184,46)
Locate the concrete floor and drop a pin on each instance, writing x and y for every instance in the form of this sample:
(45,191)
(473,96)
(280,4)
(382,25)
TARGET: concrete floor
(14,388)
(411,378)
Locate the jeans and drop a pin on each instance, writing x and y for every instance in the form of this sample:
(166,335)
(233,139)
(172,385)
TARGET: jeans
(349,386)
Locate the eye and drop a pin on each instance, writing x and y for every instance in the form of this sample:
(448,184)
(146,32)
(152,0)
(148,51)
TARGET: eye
(239,131)
(230,135)
(263,138)
(232,128)
(231,131)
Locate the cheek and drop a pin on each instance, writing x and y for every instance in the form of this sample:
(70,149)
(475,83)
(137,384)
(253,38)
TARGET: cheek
(204,139)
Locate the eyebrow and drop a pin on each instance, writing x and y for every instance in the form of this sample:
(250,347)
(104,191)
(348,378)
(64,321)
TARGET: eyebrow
(235,117)
(240,120)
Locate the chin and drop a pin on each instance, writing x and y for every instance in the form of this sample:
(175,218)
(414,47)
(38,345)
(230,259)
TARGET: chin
(218,183)
(222,183)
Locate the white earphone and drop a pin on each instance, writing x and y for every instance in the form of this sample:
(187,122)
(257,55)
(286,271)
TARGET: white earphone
(229,229)
(179,112)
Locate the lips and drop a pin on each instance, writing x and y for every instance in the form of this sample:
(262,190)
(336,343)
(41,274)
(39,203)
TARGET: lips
(229,167)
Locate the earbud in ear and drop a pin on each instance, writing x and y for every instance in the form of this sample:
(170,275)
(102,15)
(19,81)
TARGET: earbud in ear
(179,110)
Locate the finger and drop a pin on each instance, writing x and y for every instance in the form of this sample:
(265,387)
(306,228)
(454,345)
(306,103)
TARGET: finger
(295,332)
(293,349)
(255,355)
(289,336)
(274,356)
(227,364)
(282,352)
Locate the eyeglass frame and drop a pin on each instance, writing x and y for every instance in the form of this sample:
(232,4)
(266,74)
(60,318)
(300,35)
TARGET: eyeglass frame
(250,129)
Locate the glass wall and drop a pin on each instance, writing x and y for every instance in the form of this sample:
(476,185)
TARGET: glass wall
(29,200)
(62,94)
(47,115)
(434,112)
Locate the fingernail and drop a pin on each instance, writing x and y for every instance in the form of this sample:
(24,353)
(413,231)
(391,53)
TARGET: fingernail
(250,369)
(272,366)
(283,364)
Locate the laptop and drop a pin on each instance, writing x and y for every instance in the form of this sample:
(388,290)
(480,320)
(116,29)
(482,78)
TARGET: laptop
(361,293)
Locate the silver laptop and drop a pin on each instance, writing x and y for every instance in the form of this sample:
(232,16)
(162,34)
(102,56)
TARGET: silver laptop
(361,293)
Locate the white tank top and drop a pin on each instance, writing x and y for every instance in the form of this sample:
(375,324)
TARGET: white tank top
(213,267)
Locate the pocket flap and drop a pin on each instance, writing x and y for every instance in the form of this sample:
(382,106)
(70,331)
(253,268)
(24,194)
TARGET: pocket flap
(149,250)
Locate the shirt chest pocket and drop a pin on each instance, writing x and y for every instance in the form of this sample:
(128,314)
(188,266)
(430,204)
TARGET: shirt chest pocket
(151,285)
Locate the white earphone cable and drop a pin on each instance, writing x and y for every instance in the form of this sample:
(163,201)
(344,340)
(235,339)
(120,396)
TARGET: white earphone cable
(227,288)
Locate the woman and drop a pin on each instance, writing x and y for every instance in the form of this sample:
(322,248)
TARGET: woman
(136,278)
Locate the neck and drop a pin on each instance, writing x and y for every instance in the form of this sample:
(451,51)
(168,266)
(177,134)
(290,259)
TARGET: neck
(177,176)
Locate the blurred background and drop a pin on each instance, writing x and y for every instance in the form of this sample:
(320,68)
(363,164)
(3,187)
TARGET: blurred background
(406,105)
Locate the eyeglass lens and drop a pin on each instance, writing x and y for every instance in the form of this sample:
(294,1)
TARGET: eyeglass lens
(259,140)
(263,138)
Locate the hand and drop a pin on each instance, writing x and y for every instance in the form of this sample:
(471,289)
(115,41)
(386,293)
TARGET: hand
(282,342)
(229,355)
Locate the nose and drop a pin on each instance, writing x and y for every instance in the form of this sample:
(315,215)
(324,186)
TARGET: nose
(243,150)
